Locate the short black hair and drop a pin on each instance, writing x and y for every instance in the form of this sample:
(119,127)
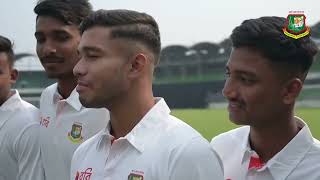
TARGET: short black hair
(70,12)
(6,47)
(127,24)
(265,34)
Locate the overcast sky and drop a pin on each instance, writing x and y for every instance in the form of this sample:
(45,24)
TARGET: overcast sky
(181,21)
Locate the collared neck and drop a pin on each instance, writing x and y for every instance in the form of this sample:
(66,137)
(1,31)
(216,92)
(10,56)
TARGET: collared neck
(72,100)
(144,130)
(11,103)
(285,161)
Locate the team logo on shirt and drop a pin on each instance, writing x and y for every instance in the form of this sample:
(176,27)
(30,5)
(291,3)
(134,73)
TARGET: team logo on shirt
(75,134)
(136,175)
(296,25)
(85,175)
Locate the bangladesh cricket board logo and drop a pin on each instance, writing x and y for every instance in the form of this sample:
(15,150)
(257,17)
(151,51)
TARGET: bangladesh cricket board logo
(296,26)
(133,176)
(75,134)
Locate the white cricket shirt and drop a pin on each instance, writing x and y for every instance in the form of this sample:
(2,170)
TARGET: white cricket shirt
(19,143)
(65,124)
(159,147)
(298,160)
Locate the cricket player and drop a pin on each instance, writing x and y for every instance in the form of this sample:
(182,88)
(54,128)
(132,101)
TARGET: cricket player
(119,50)
(19,127)
(65,123)
(265,74)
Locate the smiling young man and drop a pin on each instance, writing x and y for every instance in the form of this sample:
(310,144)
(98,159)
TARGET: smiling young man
(19,138)
(265,74)
(65,123)
(119,50)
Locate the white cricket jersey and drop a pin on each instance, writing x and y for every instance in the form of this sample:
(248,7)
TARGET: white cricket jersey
(159,147)
(65,124)
(298,160)
(19,143)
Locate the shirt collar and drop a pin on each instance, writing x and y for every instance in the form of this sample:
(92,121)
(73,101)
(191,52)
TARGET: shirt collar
(72,100)
(282,164)
(245,146)
(9,107)
(12,103)
(144,131)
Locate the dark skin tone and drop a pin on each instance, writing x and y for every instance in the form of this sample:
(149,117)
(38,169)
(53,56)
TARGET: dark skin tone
(268,142)
(259,98)
(57,44)
(66,86)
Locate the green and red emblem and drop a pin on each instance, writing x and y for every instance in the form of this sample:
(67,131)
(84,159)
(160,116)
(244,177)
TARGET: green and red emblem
(296,26)
(134,176)
(75,135)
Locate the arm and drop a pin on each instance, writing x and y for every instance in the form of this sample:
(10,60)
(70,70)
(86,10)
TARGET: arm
(27,149)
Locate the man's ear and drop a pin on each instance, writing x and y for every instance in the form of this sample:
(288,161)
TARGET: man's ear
(292,90)
(14,74)
(137,65)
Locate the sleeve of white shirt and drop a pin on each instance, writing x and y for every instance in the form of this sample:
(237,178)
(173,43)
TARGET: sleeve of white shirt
(27,148)
(196,161)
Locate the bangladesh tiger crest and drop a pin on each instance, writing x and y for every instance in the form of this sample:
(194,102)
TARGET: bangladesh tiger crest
(75,135)
(296,25)
(133,176)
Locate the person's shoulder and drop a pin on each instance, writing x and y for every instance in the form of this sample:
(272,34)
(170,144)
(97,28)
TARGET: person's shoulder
(178,131)
(26,114)
(315,149)
(28,106)
(193,158)
(49,90)
(308,167)
(30,110)
(229,140)
(233,135)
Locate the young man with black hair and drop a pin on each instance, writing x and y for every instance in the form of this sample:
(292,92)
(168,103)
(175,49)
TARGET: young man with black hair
(265,74)
(19,130)
(119,50)
(65,123)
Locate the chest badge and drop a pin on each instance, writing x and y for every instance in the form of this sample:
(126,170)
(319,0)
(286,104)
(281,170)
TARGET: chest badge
(133,176)
(75,135)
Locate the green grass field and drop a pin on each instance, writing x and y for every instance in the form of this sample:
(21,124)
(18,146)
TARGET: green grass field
(211,122)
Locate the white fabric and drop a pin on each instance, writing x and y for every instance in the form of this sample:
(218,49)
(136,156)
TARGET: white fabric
(298,160)
(159,147)
(58,118)
(19,143)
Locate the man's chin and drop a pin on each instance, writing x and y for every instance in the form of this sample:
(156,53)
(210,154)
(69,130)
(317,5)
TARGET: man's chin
(53,75)
(238,120)
(88,104)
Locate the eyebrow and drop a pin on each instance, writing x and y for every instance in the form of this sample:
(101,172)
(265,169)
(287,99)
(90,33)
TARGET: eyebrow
(90,48)
(248,73)
(53,32)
